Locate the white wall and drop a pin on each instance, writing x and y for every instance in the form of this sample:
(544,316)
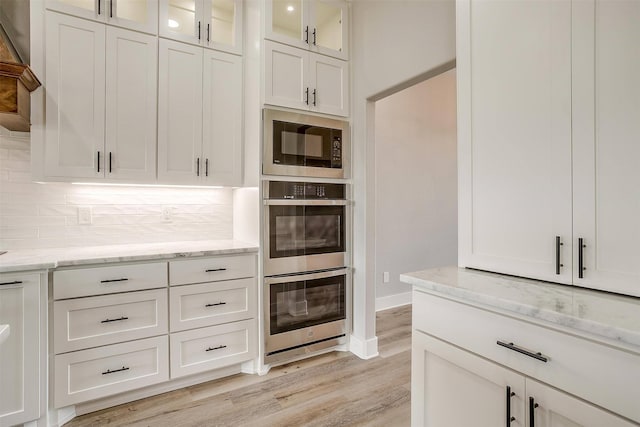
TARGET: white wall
(45,215)
(416,183)
(394,44)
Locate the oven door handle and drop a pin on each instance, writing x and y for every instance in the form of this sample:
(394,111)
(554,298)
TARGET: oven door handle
(295,277)
(292,202)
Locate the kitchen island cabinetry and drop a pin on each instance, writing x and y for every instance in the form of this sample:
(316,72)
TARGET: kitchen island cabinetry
(499,347)
(22,376)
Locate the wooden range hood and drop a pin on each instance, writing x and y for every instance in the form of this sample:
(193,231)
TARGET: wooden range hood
(17,81)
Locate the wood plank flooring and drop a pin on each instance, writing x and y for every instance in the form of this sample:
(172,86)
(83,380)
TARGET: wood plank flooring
(334,389)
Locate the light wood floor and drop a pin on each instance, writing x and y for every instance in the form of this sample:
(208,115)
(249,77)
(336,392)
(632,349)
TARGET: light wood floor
(334,389)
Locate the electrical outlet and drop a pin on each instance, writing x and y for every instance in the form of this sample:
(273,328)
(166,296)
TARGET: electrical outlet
(385,277)
(84,216)
(166,214)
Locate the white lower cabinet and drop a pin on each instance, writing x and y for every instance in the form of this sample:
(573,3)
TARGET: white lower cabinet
(541,377)
(20,373)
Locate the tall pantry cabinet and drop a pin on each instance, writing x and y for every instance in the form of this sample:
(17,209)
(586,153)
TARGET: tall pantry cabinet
(547,112)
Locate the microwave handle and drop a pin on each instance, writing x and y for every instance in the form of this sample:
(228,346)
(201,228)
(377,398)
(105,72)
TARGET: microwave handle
(287,202)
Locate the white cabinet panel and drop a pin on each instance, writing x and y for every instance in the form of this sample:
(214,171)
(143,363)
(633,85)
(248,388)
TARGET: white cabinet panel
(139,15)
(20,352)
(211,269)
(285,76)
(222,111)
(331,90)
(514,120)
(181,20)
(131,84)
(606,126)
(179,113)
(75,97)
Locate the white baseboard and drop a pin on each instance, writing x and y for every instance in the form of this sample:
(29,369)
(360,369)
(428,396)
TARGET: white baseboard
(364,349)
(391,301)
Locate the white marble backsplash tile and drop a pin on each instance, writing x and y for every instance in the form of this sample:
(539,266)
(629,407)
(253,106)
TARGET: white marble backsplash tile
(36,215)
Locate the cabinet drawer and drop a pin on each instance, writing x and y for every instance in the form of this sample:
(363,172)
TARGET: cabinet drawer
(108,319)
(108,280)
(90,374)
(211,269)
(208,304)
(204,349)
(581,367)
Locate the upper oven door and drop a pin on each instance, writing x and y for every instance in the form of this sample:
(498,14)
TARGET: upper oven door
(303,145)
(304,236)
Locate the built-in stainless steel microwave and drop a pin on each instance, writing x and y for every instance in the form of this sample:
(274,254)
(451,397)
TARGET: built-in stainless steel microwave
(302,145)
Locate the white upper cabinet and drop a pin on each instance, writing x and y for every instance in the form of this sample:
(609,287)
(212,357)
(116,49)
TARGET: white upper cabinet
(296,78)
(200,116)
(101,100)
(318,25)
(216,24)
(514,133)
(606,149)
(139,15)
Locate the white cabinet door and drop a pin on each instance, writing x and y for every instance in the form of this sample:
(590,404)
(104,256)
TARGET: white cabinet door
(514,133)
(139,15)
(285,76)
(553,408)
(181,20)
(319,25)
(606,131)
(75,98)
(451,387)
(20,352)
(329,83)
(223,25)
(179,113)
(130,140)
(222,111)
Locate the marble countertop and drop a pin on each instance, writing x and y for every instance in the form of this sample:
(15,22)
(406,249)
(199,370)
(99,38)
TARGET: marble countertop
(42,259)
(4,333)
(614,318)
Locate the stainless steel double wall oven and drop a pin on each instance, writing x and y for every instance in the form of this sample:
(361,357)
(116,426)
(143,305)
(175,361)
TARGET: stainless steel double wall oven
(306,251)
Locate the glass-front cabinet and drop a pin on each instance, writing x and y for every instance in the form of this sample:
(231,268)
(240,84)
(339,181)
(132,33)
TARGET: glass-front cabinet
(139,15)
(318,25)
(216,24)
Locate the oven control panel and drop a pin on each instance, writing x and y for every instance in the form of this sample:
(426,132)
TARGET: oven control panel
(305,190)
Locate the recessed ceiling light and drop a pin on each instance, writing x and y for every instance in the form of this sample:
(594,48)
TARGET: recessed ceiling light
(173,23)
(290,8)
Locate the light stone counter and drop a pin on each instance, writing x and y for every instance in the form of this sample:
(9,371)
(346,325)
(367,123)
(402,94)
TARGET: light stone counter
(42,259)
(4,333)
(600,315)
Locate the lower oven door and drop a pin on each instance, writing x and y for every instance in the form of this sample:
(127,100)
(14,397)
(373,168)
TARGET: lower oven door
(305,309)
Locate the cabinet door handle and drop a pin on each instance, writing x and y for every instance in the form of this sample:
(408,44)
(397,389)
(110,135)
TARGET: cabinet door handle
(198,166)
(532,409)
(99,8)
(306,96)
(216,304)
(211,270)
(206,167)
(110,8)
(314,97)
(558,263)
(306,32)
(216,348)
(581,267)
(512,346)
(314,36)
(119,319)
(98,161)
(208,33)
(198,30)
(14,282)
(510,394)
(109,371)
(110,162)
(124,279)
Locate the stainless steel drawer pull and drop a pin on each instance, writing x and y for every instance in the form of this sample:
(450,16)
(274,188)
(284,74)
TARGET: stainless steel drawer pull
(15,282)
(114,320)
(216,348)
(512,346)
(109,371)
(217,303)
(215,269)
(124,279)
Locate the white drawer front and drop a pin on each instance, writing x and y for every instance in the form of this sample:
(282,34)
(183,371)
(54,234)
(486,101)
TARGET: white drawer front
(91,322)
(203,270)
(204,349)
(90,374)
(108,280)
(592,371)
(209,304)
